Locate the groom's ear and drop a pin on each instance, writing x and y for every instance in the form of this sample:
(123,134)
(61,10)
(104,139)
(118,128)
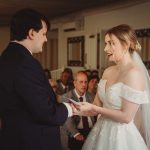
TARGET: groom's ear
(31,34)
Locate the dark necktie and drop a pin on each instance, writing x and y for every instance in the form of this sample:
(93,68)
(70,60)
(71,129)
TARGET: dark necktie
(84,119)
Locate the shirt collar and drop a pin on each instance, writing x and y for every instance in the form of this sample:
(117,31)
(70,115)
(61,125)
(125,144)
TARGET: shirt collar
(63,85)
(78,94)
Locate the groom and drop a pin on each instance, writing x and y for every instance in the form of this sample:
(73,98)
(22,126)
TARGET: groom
(29,111)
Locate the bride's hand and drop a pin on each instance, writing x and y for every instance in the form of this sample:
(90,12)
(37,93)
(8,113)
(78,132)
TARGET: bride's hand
(74,109)
(85,109)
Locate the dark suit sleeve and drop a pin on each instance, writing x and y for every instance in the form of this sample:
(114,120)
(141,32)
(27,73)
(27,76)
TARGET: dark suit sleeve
(38,97)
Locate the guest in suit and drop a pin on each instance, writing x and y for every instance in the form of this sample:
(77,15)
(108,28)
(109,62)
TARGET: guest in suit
(63,84)
(71,78)
(30,113)
(77,128)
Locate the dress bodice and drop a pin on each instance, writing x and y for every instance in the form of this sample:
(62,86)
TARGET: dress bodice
(108,134)
(113,96)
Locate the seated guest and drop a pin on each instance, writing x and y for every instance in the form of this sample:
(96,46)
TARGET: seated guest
(50,80)
(77,128)
(70,82)
(92,84)
(53,84)
(63,85)
(95,73)
(88,72)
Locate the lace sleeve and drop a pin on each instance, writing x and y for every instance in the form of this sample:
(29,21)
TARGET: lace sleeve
(132,95)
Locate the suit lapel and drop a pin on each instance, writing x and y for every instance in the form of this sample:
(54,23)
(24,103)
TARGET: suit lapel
(74,96)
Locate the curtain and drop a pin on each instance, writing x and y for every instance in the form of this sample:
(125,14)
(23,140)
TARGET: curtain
(49,56)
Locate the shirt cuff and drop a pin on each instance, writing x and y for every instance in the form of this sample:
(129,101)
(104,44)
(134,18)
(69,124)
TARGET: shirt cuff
(76,134)
(70,113)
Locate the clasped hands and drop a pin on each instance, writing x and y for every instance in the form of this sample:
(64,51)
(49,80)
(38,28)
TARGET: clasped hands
(83,109)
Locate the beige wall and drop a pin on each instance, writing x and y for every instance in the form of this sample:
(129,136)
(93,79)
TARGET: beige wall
(137,16)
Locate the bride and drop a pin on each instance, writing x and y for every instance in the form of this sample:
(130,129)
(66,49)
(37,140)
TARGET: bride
(123,89)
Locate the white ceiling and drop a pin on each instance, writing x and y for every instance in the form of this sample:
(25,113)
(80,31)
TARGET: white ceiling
(55,8)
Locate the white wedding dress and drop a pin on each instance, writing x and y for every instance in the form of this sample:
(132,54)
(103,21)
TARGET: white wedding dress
(111,135)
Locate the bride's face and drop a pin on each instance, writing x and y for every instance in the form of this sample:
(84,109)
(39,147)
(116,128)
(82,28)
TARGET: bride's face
(113,48)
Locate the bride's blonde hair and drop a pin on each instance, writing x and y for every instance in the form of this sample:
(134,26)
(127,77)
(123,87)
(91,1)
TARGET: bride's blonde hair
(126,34)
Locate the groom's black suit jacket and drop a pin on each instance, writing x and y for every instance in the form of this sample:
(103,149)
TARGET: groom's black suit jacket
(30,114)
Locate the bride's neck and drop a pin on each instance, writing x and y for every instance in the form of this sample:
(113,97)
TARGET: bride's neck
(124,62)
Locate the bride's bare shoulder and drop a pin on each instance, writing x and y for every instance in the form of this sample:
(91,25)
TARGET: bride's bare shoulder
(134,77)
(108,71)
(134,72)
